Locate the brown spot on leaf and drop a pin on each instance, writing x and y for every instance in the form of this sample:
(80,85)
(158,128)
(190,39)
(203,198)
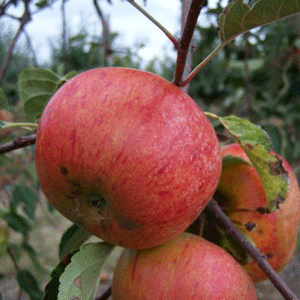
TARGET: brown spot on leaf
(276,168)
(78,282)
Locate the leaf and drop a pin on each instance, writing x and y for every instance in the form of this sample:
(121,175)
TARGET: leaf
(238,17)
(256,143)
(271,173)
(4,125)
(228,243)
(73,237)
(232,160)
(51,290)
(3,240)
(36,86)
(17,223)
(245,131)
(40,271)
(26,196)
(42,3)
(29,284)
(3,99)
(81,277)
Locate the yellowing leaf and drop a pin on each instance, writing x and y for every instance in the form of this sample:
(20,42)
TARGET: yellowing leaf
(256,143)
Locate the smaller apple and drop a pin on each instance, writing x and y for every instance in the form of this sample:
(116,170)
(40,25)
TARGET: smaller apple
(5,116)
(240,192)
(185,268)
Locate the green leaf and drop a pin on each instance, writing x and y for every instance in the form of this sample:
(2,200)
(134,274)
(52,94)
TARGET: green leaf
(27,197)
(228,243)
(29,284)
(81,277)
(42,3)
(33,255)
(51,290)
(36,86)
(275,136)
(238,17)
(232,160)
(3,240)
(3,99)
(245,131)
(73,237)
(17,223)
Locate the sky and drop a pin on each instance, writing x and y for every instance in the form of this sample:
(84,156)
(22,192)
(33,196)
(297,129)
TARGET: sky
(132,26)
(126,20)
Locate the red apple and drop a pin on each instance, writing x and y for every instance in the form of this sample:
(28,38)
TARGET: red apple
(127,155)
(186,268)
(6,116)
(240,192)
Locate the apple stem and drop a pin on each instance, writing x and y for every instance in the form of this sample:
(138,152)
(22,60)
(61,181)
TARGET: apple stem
(17,143)
(155,22)
(185,41)
(287,293)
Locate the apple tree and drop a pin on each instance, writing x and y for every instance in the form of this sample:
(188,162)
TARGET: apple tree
(131,158)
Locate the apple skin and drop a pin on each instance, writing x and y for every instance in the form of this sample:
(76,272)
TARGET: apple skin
(185,268)
(127,155)
(275,234)
(6,116)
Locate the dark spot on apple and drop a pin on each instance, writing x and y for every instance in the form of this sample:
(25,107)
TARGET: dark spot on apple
(269,255)
(260,231)
(263,210)
(64,171)
(250,225)
(98,201)
(128,224)
(75,183)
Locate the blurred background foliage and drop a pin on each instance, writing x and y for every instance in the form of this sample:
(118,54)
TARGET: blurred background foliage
(257,76)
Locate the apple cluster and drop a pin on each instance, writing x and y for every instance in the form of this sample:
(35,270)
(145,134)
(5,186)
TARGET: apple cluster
(132,159)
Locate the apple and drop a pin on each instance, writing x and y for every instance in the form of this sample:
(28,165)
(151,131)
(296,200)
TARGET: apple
(185,268)
(240,192)
(6,116)
(127,155)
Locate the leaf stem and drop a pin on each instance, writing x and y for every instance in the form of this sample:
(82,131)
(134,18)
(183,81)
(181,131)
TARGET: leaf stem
(155,22)
(203,63)
(19,125)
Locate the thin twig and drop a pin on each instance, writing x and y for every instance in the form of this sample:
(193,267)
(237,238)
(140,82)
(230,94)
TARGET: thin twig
(24,20)
(155,22)
(17,143)
(254,253)
(186,38)
(107,51)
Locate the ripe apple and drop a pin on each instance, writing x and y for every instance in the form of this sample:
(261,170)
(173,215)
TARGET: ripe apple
(185,268)
(240,192)
(6,116)
(127,155)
